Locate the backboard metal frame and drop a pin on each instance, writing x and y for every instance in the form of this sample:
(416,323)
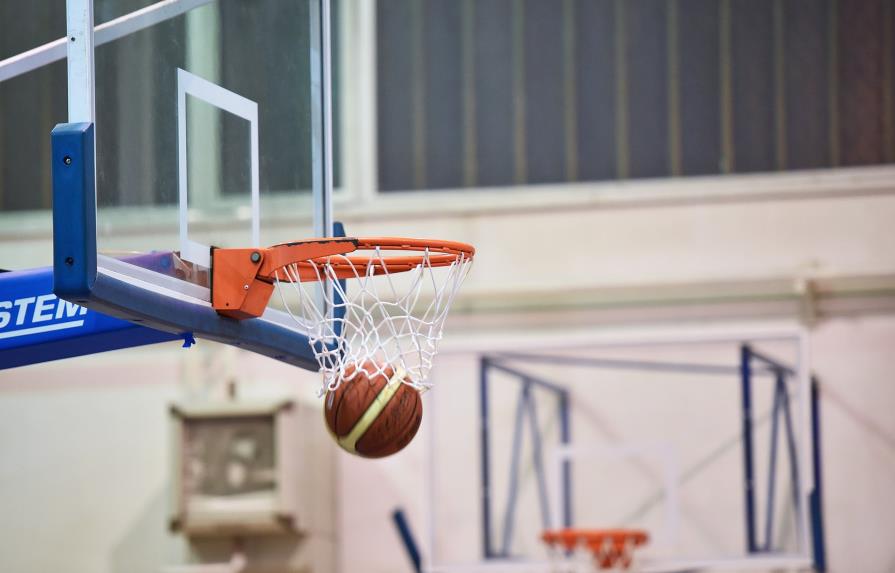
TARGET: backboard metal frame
(77,276)
(192,85)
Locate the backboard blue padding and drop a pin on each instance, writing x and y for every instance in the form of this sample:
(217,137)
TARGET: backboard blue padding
(74,209)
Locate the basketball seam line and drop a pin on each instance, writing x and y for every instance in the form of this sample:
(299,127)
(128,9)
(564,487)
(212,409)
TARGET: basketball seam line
(349,441)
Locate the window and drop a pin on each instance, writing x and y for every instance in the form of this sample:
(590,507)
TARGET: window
(509,92)
(30,105)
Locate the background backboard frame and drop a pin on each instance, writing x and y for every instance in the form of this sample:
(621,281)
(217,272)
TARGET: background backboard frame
(810,552)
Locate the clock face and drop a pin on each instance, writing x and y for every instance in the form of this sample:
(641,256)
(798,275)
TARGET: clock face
(229,457)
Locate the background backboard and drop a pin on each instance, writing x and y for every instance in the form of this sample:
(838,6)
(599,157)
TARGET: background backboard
(705,444)
(211,125)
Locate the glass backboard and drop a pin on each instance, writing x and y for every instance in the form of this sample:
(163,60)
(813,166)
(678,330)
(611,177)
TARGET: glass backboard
(210,127)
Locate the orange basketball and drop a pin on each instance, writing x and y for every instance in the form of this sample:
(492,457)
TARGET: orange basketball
(372,413)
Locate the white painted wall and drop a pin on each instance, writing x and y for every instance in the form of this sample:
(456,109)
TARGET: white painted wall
(85,464)
(85,477)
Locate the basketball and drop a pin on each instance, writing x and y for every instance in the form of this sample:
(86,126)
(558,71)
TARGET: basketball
(372,413)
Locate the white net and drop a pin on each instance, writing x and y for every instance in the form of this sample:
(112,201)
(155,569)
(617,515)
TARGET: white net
(383,320)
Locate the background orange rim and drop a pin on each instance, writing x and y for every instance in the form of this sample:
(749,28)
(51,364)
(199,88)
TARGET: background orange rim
(571,537)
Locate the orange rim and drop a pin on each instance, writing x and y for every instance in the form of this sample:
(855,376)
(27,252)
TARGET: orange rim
(610,547)
(440,254)
(241,278)
(570,537)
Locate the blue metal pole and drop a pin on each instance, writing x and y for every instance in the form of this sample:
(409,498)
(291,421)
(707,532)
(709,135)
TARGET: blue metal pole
(817,515)
(566,440)
(774,365)
(487,547)
(407,538)
(749,483)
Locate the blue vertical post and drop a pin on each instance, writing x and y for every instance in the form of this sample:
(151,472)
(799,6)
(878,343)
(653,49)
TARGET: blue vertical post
(566,439)
(748,469)
(487,547)
(74,211)
(817,516)
(339,310)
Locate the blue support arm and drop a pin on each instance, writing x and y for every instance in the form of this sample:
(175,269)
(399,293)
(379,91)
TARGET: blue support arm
(77,279)
(36,326)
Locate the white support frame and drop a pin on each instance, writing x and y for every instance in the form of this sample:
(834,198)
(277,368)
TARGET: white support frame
(633,337)
(79,26)
(358,99)
(107,32)
(323,208)
(211,93)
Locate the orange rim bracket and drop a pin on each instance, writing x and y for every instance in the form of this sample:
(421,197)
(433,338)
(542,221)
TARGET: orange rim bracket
(242,279)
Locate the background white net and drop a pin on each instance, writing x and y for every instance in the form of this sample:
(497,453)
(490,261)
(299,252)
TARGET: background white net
(376,319)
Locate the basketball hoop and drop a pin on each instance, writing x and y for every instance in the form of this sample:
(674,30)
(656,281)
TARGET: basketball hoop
(611,548)
(384,300)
